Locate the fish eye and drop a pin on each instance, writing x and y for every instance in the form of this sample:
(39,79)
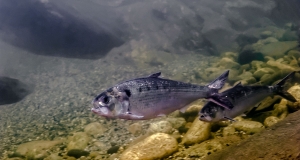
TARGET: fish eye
(105,99)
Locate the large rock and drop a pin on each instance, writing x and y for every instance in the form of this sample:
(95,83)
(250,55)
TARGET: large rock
(262,71)
(250,127)
(156,146)
(229,63)
(36,149)
(281,109)
(282,66)
(295,91)
(280,141)
(278,49)
(198,132)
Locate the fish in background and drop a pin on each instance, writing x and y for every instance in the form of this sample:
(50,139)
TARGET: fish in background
(12,90)
(243,98)
(151,97)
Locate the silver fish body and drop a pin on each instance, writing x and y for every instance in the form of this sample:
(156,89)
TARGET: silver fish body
(150,97)
(243,98)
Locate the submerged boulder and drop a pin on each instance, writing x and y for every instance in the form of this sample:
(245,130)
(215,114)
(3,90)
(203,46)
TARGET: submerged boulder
(198,132)
(12,90)
(278,49)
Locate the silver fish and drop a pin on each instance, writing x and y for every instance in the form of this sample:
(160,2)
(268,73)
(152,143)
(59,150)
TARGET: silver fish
(243,99)
(150,97)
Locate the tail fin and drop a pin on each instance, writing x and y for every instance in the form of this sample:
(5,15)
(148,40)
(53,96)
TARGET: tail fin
(215,86)
(280,88)
(219,82)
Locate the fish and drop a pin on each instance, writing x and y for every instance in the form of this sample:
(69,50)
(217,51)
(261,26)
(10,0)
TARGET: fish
(243,99)
(153,96)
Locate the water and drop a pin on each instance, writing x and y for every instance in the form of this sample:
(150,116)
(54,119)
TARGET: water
(186,41)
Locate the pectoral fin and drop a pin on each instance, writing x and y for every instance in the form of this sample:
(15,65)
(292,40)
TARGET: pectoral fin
(232,120)
(161,115)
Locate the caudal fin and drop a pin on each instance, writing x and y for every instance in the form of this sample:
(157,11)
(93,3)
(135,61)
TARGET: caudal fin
(280,88)
(219,82)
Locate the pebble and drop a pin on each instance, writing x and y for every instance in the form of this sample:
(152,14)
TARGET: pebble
(135,128)
(269,121)
(262,71)
(79,140)
(94,129)
(77,153)
(160,127)
(228,131)
(176,122)
(229,63)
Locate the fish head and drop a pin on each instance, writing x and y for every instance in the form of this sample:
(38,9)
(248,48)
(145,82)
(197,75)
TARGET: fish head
(112,104)
(104,105)
(211,112)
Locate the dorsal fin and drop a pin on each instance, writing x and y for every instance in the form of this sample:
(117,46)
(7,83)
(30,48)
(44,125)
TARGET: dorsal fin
(219,82)
(155,75)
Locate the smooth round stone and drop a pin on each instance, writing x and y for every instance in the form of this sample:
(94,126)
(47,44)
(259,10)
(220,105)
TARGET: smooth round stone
(269,121)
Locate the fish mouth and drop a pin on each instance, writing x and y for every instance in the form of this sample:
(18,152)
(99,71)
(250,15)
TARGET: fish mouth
(101,110)
(204,118)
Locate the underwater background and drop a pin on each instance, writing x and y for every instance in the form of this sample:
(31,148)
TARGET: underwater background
(56,56)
